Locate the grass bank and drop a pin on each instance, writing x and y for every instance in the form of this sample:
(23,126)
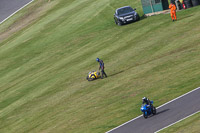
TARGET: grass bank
(44,66)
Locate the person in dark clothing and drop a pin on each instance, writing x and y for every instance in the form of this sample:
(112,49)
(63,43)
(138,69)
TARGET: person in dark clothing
(101,67)
(147,102)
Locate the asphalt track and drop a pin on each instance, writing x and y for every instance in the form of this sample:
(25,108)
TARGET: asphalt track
(167,114)
(8,7)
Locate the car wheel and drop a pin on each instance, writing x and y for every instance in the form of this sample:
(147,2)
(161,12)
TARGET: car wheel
(115,22)
(138,17)
(119,23)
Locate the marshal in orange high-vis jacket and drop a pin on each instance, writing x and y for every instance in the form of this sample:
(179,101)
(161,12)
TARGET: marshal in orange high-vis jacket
(172,8)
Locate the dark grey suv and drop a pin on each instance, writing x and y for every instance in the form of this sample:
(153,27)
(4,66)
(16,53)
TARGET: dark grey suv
(125,15)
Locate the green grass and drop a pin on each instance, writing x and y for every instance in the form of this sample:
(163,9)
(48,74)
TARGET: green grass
(189,125)
(44,66)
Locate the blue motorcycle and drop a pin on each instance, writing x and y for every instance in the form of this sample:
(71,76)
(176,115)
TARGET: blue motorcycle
(148,110)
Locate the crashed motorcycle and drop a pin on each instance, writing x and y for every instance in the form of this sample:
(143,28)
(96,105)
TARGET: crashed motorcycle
(93,75)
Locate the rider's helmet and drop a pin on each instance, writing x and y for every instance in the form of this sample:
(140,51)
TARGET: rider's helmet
(144,98)
(97,59)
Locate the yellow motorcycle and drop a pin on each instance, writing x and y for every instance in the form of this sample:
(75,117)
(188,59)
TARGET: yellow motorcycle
(93,75)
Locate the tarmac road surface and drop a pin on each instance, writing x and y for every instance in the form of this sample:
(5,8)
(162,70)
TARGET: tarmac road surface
(166,115)
(8,7)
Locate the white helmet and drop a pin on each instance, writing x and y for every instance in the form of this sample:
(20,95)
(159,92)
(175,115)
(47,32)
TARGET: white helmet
(144,98)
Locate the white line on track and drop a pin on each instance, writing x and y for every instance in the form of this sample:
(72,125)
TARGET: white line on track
(177,122)
(156,108)
(124,124)
(16,12)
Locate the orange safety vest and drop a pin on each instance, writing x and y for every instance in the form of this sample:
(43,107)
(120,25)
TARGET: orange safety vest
(172,8)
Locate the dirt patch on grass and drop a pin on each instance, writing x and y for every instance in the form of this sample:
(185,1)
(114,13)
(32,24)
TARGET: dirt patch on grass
(32,13)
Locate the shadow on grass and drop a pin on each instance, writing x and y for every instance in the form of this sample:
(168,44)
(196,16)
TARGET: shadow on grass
(119,72)
(116,73)
(125,69)
(143,17)
(185,17)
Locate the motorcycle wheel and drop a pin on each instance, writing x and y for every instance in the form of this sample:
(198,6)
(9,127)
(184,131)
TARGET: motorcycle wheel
(145,116)
(90,79)
(154,110)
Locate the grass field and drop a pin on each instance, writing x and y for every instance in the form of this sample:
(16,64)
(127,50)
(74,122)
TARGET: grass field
(189,125)
(45,61)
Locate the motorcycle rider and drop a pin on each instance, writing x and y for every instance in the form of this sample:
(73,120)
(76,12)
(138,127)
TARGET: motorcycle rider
(147,102)
(101,67)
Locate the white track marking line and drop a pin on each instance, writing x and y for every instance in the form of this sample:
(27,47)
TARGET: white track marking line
(156,108)
(179,97)
(16,12)
(177,122)
(124,124)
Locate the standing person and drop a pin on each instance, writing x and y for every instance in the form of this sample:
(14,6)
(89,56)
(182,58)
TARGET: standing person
(101,67)
(184,7)
(172,8)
